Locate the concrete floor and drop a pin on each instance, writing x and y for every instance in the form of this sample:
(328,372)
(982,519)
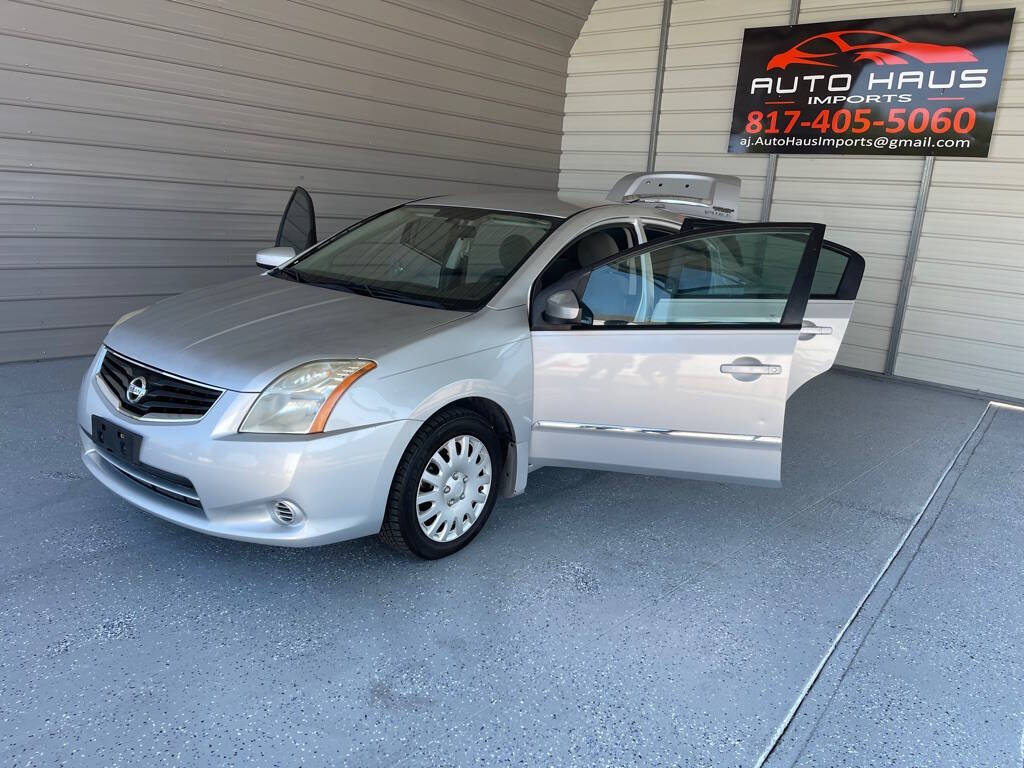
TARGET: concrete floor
(598,620)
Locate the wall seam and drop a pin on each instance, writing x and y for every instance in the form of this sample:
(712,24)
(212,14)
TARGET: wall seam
(773,159)
(913,243)
(659,83)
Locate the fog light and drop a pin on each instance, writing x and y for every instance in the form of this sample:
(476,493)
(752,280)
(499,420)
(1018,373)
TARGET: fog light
(286,513)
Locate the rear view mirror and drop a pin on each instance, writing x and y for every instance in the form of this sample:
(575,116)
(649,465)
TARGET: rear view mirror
(562,307)
(275,257)
(298,224)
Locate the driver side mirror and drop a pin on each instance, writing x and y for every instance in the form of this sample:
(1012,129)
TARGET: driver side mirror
(275,257)
(562,307)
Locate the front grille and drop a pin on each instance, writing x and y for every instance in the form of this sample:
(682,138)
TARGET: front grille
(166,396)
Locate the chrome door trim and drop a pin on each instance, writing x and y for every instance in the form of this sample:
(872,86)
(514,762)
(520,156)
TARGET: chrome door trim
(654,432)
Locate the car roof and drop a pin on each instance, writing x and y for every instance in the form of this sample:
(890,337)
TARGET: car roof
(540,203)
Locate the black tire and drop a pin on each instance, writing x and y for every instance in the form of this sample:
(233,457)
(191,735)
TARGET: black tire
(400,529)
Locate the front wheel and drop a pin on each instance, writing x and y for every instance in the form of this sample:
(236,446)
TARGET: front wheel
(445,486)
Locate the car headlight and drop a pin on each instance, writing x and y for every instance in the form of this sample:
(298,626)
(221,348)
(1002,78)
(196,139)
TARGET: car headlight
(300,401)
(127,316)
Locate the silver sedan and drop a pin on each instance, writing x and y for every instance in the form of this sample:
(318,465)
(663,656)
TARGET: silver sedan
(398,377)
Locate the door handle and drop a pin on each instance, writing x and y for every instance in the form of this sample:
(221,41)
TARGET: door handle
(751,370)
(816,330)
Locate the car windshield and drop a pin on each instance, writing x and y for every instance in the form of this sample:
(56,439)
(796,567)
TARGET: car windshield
(448,257)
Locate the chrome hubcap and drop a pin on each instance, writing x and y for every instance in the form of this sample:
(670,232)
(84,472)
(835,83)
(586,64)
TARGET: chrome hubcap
(453,488)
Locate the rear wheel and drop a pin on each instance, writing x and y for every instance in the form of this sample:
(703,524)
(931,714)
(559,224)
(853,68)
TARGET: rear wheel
(445,486)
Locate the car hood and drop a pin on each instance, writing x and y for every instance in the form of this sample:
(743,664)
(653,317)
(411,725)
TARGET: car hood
(242,335)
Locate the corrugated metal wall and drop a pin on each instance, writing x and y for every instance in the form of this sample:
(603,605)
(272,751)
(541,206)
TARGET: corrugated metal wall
(965,315)
(700,80)
(148,146)
(963,325)
(609,94)
(867,203)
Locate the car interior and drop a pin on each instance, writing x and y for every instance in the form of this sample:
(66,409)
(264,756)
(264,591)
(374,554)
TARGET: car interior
(587,251)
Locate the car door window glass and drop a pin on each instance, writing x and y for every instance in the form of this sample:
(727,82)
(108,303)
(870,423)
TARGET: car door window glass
(727,278)
(615,293)
(831,266)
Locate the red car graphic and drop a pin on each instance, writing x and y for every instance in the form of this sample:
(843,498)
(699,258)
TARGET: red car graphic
(866,45)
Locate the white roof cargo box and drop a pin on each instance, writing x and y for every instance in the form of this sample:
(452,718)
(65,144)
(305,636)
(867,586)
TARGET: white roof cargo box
(708,195)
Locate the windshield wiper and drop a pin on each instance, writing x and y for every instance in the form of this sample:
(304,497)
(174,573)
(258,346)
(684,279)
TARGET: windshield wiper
(334,282)
(377,292)
(393,295)
(290,272)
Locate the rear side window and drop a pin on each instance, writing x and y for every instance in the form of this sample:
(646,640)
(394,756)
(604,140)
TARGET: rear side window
(831,265)
(838,274)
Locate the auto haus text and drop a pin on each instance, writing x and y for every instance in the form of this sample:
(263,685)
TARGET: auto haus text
(835,89)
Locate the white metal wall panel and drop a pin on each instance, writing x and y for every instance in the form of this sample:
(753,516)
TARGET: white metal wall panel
(609,95)
(610,92)
(700,81)
(964,324)
(867,202)
(148,147)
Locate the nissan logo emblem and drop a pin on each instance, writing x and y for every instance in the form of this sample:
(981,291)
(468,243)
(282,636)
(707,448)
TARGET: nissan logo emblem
(136,389)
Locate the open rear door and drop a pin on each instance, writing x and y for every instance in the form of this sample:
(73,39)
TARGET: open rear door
(833,292)
(674,357)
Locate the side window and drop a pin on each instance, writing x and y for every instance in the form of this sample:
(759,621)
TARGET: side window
(727,278)
(586,251)
(614,294)
(654,232)
(832,265)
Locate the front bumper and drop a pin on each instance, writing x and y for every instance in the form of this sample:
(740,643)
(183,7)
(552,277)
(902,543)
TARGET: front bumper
(339,480)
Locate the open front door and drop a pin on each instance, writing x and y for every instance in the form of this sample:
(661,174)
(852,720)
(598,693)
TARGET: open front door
(674,357)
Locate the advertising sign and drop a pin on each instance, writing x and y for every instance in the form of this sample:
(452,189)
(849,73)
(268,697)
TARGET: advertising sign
(907,85)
